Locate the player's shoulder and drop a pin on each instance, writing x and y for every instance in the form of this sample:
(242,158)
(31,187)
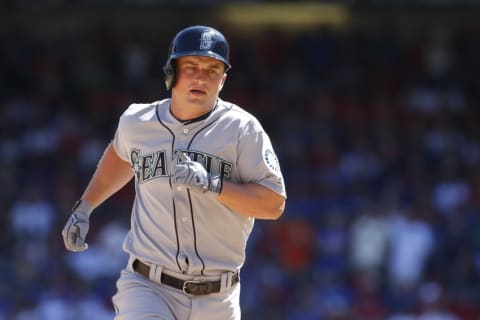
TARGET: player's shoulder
(238,113)
(234,111)
(143,111)
(142,108)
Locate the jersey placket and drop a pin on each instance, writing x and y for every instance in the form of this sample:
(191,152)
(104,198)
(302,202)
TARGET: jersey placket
(188,257)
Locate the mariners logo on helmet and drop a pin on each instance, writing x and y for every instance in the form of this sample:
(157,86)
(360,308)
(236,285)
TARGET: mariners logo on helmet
(206,40)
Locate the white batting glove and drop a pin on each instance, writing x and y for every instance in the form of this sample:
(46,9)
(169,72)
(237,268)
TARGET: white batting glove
(76,228)
(194,176)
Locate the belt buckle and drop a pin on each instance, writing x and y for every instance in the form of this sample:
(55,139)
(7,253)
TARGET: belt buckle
(186,289)
(199,288)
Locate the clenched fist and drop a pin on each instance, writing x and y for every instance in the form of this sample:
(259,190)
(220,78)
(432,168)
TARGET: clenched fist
(76,228)
(194,176)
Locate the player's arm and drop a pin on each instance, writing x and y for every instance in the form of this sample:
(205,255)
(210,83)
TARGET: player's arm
(253,200)
(249,199)
(111,175)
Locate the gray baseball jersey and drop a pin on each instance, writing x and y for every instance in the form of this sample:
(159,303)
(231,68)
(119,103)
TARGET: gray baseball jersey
(185,231)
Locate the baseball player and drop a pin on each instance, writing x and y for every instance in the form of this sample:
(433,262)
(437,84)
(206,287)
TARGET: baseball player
(204,170)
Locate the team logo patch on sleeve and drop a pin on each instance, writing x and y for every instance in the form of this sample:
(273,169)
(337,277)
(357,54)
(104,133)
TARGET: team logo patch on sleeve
(271,160)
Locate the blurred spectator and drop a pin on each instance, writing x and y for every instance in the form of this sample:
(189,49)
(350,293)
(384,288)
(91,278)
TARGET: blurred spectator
(295,241)
(432,303)
(412,243)
(369,240)
(452,190)
(32,215)
(103,257)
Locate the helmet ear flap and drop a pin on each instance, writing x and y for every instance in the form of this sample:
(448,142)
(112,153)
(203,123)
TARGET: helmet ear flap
(170,76)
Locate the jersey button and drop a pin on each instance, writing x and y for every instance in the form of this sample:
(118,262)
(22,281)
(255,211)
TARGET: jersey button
(179,188)
(184,219)
(186,131)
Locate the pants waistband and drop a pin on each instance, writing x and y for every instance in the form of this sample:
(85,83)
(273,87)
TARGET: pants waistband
(189,287)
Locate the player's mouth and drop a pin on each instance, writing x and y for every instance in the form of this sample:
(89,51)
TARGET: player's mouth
(198,92)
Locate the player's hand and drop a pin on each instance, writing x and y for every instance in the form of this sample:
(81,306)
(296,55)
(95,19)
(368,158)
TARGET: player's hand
(193,175)
(76,228)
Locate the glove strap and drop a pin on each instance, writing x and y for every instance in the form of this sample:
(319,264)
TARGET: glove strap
(216,184)
(83,207)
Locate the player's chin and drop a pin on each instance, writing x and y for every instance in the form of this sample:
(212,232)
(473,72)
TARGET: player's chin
(196,101)
(202,99)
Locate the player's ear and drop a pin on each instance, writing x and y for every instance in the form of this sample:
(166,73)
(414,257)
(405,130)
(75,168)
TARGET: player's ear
(222,82)
(170,71)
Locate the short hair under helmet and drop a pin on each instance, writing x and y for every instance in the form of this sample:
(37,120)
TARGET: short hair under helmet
(196,41)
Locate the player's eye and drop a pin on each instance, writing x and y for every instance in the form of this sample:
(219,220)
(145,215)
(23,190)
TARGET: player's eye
(212,73)
(215,72)
(190,68)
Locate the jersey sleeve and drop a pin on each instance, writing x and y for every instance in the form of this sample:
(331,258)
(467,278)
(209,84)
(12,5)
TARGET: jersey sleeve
(257,160)
(119,140)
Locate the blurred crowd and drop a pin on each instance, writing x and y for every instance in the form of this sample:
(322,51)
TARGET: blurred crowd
(377,133)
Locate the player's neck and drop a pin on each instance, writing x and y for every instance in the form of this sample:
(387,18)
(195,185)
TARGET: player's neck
(186,113)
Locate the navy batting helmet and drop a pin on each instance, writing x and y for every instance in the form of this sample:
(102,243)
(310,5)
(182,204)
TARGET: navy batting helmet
(196,41)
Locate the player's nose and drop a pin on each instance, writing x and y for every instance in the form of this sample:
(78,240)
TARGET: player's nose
(201,74)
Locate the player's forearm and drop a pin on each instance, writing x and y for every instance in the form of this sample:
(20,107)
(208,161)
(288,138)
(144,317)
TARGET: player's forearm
(252,200)
(111,175)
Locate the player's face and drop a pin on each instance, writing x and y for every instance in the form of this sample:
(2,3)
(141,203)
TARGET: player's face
(199,80)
